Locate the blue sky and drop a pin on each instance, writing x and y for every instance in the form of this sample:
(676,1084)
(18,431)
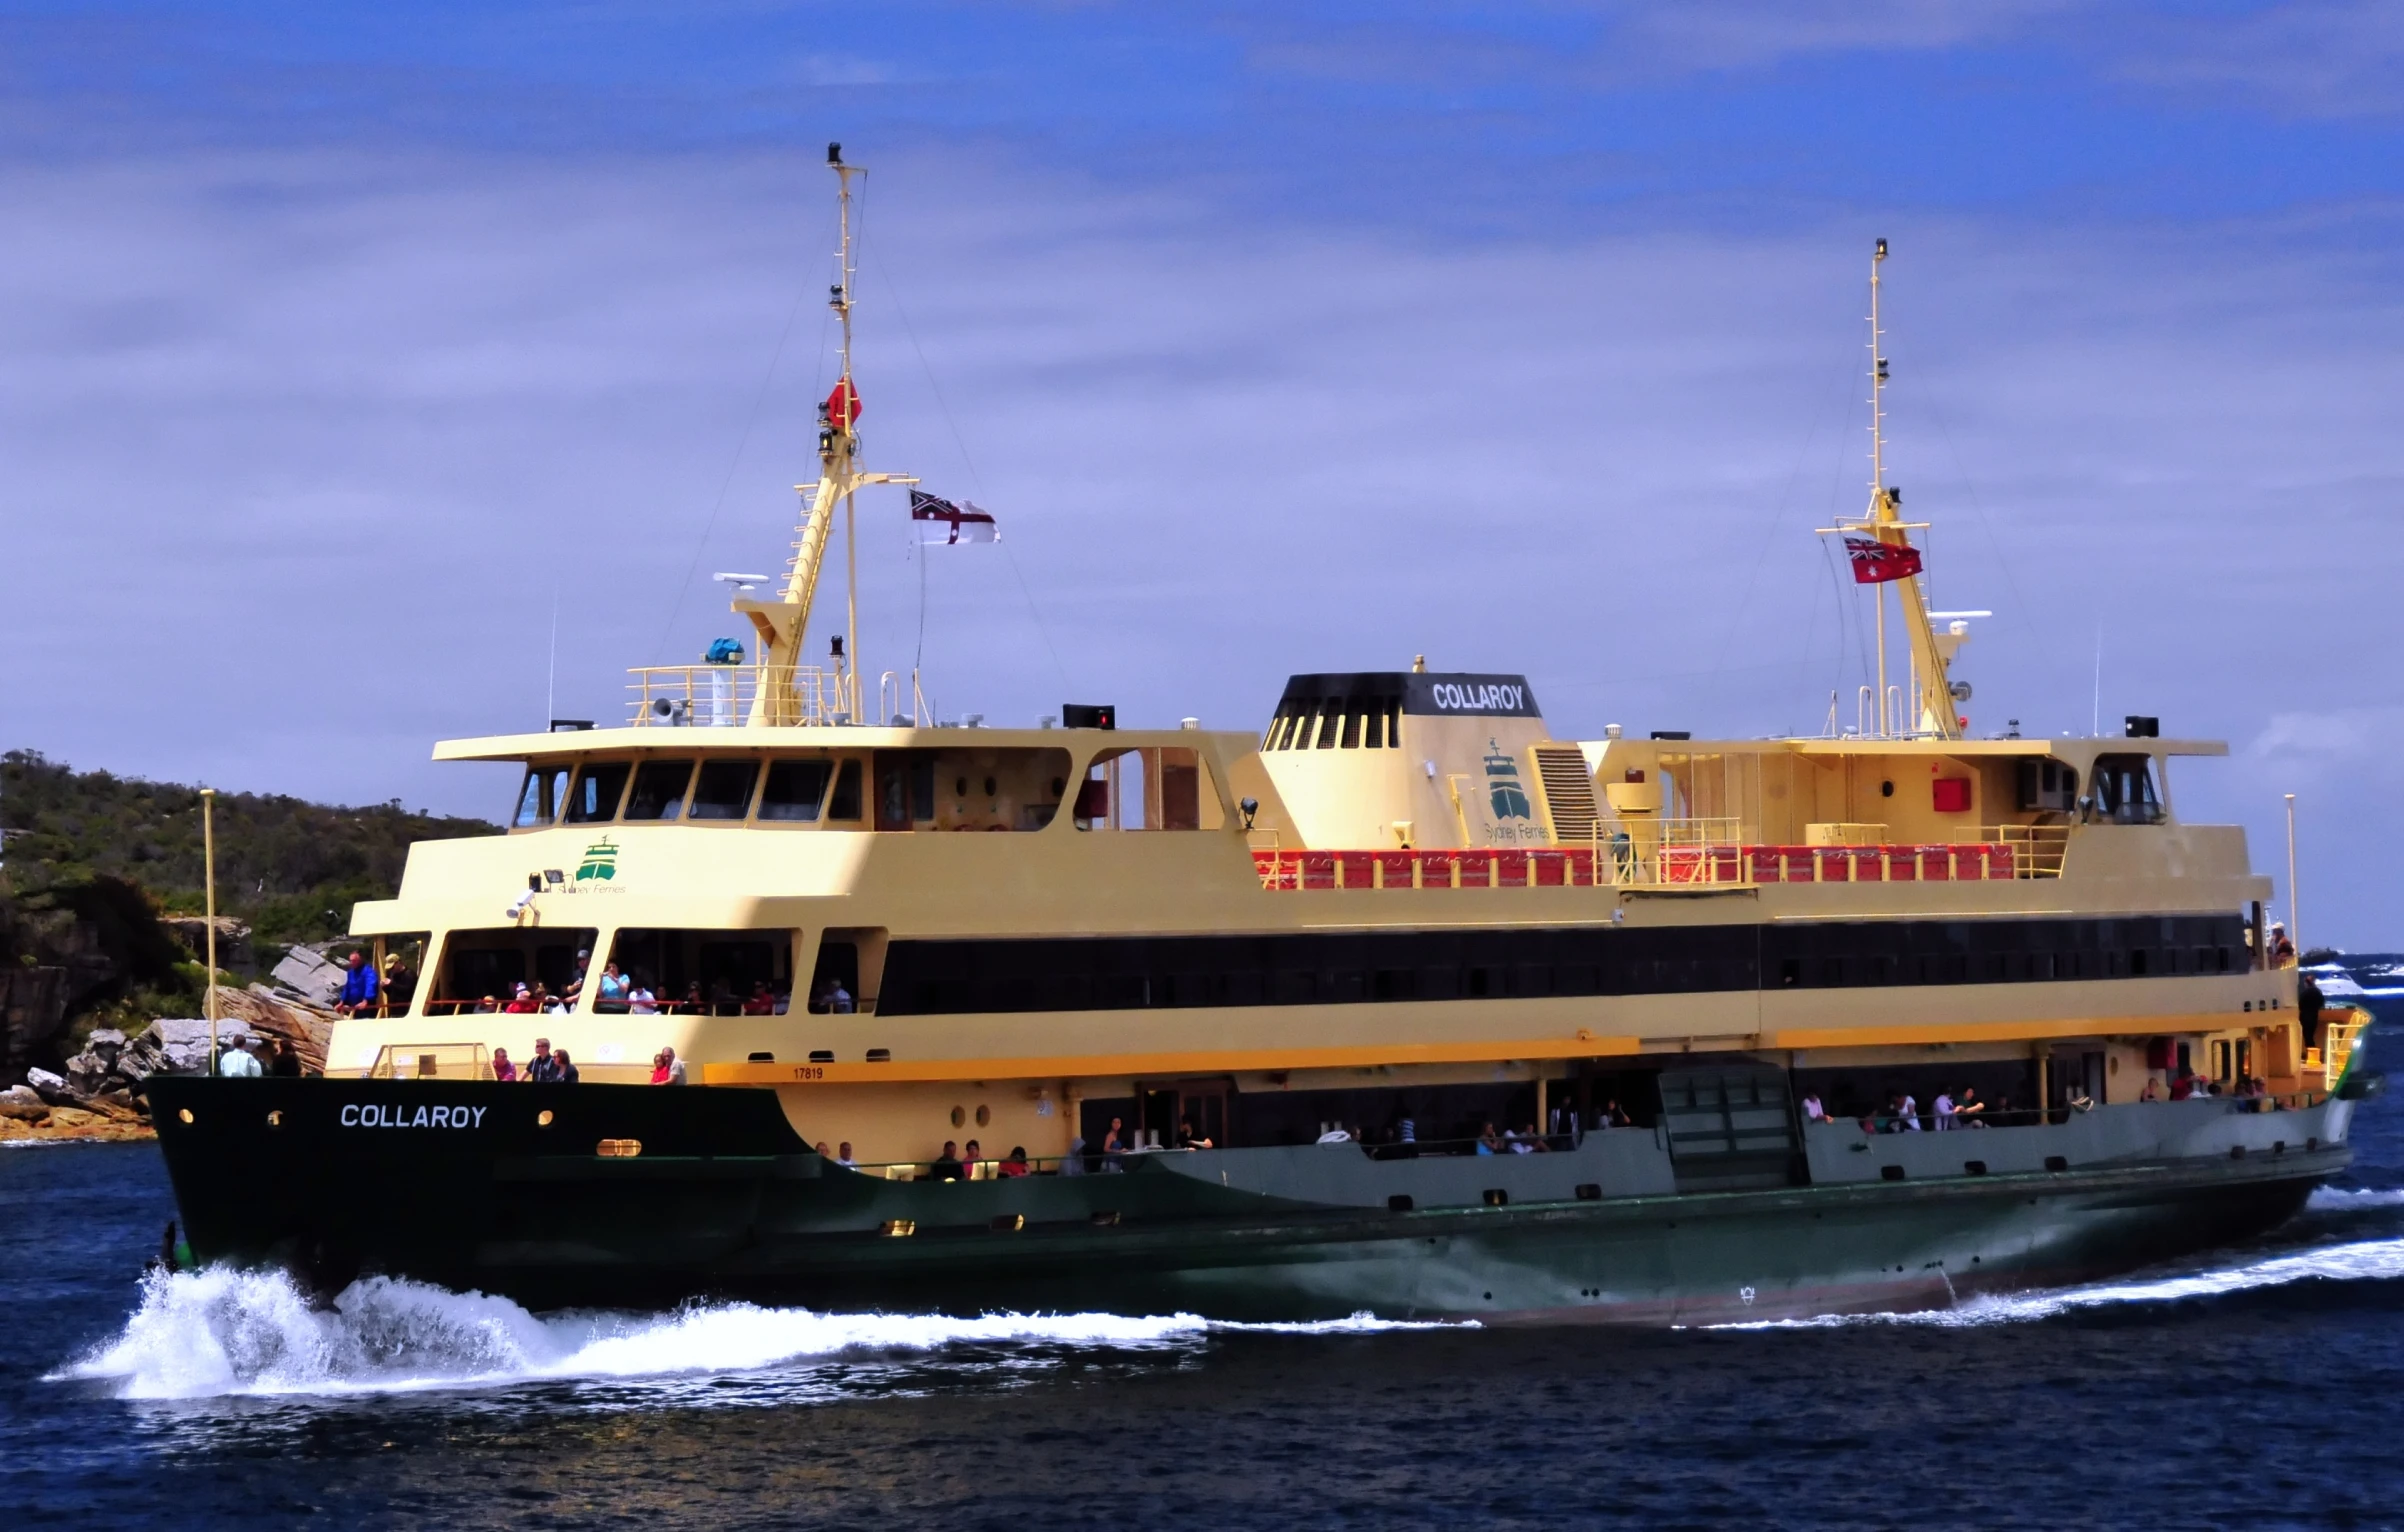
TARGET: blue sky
(338,343)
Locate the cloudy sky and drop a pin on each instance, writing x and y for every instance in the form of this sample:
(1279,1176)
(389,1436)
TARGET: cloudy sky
(339,349)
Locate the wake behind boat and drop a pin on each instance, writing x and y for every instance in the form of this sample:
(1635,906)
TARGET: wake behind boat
(1403,1005)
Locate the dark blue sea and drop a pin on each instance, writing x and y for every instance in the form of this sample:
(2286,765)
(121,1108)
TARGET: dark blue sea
(2259,1387)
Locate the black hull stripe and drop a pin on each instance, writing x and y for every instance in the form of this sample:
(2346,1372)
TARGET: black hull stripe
(944,977)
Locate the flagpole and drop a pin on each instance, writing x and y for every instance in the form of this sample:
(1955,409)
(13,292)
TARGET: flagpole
(2295,918)
(1878,480)
(208,859)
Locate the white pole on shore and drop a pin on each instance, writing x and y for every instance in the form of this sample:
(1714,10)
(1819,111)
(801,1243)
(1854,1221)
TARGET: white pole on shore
(208,859)
(2295,915)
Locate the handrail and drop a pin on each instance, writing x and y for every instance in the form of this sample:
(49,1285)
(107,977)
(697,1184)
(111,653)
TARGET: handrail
(1614,863)
(726,696)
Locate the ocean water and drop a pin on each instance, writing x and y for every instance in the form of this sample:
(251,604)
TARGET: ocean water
(2256,1387)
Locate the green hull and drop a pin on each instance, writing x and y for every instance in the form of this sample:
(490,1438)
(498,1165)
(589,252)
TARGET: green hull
(336,1178)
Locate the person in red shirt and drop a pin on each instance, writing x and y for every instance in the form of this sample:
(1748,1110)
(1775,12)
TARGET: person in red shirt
(761,1002)
(1016,1165)
(521,1002)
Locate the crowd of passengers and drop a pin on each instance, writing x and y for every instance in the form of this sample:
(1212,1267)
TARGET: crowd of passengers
(1952,1109)
(622,992)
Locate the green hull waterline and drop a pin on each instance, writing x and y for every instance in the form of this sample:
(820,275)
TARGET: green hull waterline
(463,1185)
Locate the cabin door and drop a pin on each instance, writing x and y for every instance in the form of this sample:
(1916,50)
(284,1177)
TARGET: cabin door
(1162,1107)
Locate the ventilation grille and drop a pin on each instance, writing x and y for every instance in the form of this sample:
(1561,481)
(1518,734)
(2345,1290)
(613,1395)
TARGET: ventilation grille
(1568,792)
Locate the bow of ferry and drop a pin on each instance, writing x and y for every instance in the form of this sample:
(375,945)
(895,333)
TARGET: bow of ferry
(1402,1004)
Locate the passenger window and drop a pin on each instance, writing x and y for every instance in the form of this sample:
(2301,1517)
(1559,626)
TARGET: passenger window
(539,800)
(846,802)
(724,791)
(794,791)
(597,791)
(659,790)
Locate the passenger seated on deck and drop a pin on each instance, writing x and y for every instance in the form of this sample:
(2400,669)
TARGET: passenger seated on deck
(1812,1110)
(521,1001)
(1187,1138)
(1616,1116)
(692,1004)
(759,1002)
(2152,1091)
(947,1164)
(972,1161)
(1488,1142)
(1967,1109)
(1015,1166)
(502,1069)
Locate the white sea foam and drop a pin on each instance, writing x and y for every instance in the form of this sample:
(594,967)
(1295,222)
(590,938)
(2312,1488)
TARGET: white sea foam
(2378,1260)
(2339,1199)
(219,1332)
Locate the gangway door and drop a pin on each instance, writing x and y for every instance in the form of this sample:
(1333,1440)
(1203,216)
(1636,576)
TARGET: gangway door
(1731,1127)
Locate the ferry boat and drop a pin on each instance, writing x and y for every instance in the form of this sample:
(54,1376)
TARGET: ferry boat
(1400,1004)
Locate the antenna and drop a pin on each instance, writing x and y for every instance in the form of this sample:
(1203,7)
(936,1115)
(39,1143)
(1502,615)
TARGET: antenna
(782,623)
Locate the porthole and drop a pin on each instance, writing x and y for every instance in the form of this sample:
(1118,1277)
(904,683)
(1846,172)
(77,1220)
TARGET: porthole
(960,787)
(183,1114)
(959,1116)
(984,1115)
(990,787)
(1886,789)
(542,1119)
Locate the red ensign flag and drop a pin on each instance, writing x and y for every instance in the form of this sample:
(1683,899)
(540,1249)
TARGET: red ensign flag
(1875,563)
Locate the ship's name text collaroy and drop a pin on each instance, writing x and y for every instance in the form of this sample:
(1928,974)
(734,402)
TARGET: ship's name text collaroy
(384,1115)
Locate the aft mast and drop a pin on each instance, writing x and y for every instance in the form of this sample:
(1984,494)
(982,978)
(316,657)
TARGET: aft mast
(1868,540)
(782,624)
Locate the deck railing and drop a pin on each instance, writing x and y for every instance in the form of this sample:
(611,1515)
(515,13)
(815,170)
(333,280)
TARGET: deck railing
(1617,864)
(723,696)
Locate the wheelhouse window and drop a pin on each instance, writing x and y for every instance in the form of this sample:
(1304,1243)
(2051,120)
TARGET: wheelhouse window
(795,791)
(599,786)
(705,973)
(542,796)
(482,969)
(2124,790)
(845,804)
(659,790)
(723,791)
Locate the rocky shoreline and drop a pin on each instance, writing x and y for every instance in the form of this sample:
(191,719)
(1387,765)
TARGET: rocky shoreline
(100,1098)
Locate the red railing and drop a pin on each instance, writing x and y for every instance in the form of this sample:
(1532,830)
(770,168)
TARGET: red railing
(1582,868)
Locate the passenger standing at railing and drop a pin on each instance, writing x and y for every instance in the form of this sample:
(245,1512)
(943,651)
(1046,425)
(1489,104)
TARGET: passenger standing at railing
(843,1156)
(1967,1107)
(639,999)
(1943,1107)
(502,1069)
(611,993)
(358,987)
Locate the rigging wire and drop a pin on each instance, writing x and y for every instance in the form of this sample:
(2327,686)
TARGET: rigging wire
(893,291)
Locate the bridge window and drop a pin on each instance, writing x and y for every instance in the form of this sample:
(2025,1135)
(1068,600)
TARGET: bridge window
(796,789)
(2124,790)
(541,798)
(845,804)
(658,790)
(724,791)
(599,786)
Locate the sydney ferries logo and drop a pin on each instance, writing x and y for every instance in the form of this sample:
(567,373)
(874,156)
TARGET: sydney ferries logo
(600,863)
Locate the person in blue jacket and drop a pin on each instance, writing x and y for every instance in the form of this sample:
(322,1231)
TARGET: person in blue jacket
(358,987)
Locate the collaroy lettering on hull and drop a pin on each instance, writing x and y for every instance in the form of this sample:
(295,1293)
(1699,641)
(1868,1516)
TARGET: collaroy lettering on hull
(385,1115)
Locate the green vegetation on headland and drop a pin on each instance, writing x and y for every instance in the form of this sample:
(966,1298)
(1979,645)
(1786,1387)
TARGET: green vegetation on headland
(91,862)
